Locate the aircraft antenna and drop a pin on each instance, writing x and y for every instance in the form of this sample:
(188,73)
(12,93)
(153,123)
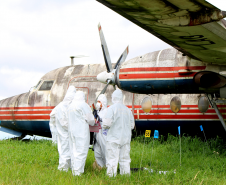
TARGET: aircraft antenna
(78,56)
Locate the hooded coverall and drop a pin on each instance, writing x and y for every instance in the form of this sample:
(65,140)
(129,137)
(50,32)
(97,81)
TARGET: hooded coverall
(62,130)
(120,121)
(101,136)
(80,117)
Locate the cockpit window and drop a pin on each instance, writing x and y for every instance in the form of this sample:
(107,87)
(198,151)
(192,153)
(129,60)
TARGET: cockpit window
(46,86)
(38,84)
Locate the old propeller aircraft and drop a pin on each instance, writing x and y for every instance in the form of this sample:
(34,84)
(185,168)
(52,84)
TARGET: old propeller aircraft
(164,89)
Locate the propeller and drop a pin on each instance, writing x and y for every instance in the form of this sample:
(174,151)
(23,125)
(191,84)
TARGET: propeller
(108,77)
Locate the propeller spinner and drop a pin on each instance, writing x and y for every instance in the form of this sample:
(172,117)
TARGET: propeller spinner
(108,77)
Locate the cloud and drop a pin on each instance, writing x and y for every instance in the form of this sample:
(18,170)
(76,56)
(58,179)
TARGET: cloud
(2,97)
(16,81)
(218,3)
(54,33)
(39,36)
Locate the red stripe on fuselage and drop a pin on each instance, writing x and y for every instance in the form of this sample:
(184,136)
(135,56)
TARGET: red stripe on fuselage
(179,117)
(162,68)
(168,110)
(17,113)
(154,75)
(168,106)
(15,108)
(182,111)
(29,117)
(25,112)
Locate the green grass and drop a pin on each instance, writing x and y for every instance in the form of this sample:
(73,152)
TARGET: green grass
(36,162)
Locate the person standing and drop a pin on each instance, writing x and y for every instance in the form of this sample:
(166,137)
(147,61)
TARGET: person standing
(120,121)
(62,130)
(101,136)
(79,117)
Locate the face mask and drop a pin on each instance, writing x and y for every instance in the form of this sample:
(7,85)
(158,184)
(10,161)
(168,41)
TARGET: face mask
(98,106)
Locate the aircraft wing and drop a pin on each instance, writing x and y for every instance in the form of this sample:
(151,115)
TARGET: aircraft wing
(194,27)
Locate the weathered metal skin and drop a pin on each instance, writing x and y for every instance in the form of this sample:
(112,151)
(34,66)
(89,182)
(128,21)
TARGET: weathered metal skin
(194,27)
(166,71)
(29,112)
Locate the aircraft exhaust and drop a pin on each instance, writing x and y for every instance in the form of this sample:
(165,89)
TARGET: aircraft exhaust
(209,79)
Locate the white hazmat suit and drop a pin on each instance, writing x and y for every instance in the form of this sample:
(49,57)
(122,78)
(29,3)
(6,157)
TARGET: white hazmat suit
(52,126)
(62,130)
(101,136)
(120,121)
(80,117)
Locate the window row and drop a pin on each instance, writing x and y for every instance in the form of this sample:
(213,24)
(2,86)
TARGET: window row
(175,104)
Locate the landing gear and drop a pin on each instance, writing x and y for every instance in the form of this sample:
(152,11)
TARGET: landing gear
(213,100)
(18,138)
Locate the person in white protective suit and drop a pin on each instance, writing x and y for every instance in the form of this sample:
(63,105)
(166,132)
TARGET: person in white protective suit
(52,126)
(120,121)
(62,130)
(80,117)
(101,136)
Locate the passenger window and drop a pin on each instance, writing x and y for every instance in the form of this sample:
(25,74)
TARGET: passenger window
(175,104)
(46,86)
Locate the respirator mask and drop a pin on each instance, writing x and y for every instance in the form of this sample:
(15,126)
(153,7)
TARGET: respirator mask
(98,106)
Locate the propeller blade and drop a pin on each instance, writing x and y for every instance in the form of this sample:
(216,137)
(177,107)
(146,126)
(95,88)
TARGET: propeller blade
(104,47)
(122,58)
(104,90)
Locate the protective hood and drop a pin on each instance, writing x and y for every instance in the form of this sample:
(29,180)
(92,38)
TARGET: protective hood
(79,96)
(102,98)
(117,96)
(70,94)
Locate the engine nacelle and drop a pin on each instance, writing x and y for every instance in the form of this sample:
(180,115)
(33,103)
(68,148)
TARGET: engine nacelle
(209,79)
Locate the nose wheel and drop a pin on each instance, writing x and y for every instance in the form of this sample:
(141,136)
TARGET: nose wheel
(18,138)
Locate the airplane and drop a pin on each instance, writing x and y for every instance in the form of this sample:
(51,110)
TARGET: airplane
(164,89)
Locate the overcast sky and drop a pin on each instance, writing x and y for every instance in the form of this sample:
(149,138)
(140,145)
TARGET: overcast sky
(37,36)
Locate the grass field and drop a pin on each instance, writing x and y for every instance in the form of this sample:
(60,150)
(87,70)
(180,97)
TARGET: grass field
(36,161)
